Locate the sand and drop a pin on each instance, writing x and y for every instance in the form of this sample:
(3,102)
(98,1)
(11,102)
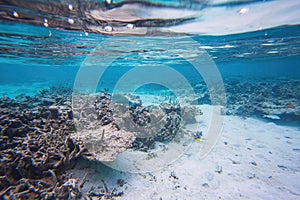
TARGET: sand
(252,159)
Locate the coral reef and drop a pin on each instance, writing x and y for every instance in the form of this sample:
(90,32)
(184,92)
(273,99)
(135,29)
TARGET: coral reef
(36,148)
(108,126)
(155,123)
(263,99)
(162,124)
(96,127)
(41,136)
(269,99)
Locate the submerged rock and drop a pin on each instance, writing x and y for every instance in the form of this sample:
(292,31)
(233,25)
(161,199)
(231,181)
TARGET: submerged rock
(121,122)
(106,142)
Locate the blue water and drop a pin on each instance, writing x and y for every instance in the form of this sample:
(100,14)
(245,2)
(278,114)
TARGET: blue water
(12,74)
(36,55)
(242,57)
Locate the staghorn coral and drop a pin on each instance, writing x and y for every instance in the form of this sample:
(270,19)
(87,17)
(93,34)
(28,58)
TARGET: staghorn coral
(36,148)
(39,139)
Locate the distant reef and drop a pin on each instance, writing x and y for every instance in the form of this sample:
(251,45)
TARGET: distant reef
(277,100)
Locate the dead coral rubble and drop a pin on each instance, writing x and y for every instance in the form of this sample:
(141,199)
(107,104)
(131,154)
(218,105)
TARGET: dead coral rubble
(104,193)
(164,124)
(108,127)
(96,127)
(36,148)
(41,136)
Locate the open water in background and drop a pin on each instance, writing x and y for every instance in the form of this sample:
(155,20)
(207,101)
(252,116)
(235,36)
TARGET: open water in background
(43,43)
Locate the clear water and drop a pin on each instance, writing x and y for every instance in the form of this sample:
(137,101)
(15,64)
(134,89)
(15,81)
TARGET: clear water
(41,56)
(30,56)
(255,46)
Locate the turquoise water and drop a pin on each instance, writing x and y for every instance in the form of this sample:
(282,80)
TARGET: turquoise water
(51,44)
(243,56)
(33,57)
(34,60)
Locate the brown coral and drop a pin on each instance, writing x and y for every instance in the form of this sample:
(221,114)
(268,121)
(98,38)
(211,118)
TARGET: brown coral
(36,149)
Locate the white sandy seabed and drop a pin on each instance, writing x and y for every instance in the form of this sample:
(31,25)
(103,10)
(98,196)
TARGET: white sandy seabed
(251,160)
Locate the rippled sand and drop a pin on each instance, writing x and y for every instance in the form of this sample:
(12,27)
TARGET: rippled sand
(252,160)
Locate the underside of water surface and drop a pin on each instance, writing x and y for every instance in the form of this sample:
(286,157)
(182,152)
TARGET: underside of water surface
(139,86)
